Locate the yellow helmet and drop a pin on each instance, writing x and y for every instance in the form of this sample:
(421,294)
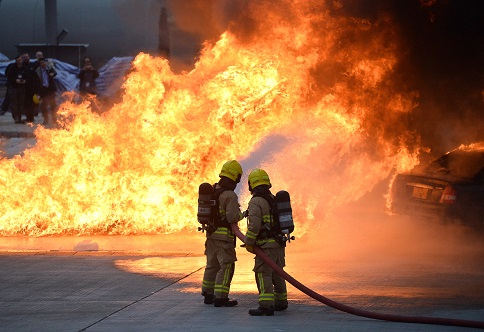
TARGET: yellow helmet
(232,170)
(258,177)
(36,99)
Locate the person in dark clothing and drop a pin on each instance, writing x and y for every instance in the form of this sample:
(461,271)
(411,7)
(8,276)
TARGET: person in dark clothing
(87,78)
(34,65)
(39,55)
(6,100)
(5,103)
(45,88)
(29,106)
(17,79)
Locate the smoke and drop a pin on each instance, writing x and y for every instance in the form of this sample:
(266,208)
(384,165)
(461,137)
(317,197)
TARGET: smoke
(197,22)
(444,49)
(207,18)
(328,97)
(435,54)
(431,52)
(440,53)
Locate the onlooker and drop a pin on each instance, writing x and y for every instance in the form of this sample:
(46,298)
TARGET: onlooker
(29,89)
(5,103)
(87,78)
(6,100)
(39,55)
(36,64)
(17,79)
(46,89)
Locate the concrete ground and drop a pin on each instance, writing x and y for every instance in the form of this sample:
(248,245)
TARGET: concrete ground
(9,129)
(152,283)
(108,285)
(15,138)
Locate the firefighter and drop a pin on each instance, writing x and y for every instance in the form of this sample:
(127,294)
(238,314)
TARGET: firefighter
(261,232)
(220,242)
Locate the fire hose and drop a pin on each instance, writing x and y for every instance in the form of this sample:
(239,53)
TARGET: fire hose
(355,311)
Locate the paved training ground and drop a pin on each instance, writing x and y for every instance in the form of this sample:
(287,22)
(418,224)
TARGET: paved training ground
(14,138)
(106,285)
(152,283)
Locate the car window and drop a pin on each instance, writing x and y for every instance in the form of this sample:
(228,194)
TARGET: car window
(460,164)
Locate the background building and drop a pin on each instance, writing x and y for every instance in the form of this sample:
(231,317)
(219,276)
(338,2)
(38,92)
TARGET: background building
(70,29)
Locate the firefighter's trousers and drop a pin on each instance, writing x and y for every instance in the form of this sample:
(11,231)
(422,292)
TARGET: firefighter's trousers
(272,287)
(220,267)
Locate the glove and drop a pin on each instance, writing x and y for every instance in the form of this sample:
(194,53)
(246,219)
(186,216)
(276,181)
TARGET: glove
(245,214)
(249,248)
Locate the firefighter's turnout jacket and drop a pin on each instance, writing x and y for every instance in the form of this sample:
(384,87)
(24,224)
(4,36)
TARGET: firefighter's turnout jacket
(229,210)
(220,248)
(272,287)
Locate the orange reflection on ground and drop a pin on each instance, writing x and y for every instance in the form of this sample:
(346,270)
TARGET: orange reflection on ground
(190,271)
(165,267)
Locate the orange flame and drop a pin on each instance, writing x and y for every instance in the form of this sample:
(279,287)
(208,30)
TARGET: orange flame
(320,83)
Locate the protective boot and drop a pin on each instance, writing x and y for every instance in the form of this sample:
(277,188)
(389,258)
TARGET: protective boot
(262,311)
(208,298)
(225,302)
(280,307)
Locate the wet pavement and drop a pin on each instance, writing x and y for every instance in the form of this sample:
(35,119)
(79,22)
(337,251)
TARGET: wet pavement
(152,282)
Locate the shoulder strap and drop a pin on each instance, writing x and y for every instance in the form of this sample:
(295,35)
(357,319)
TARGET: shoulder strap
(271,201)
(269,198)
(218,222)
(275,231)
(219,191)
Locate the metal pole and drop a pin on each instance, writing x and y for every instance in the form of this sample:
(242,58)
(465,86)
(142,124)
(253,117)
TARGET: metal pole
(51,23)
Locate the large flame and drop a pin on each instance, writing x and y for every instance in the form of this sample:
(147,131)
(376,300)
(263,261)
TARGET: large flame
(320,84)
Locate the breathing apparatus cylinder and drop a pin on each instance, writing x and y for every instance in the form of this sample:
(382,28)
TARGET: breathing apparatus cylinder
(205,203)
(283,202)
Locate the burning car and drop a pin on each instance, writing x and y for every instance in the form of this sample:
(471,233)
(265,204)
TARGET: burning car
(450,189)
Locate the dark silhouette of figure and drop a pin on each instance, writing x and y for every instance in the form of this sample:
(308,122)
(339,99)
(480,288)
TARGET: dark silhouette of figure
(87,78)
(45,88)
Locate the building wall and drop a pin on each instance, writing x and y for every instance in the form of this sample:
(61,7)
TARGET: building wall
(110,28)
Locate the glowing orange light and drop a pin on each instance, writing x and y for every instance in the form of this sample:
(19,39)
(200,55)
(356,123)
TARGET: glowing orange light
(320,82)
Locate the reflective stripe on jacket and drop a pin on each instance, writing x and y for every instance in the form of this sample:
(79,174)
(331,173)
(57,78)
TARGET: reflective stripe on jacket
(228,208)
(259,219)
